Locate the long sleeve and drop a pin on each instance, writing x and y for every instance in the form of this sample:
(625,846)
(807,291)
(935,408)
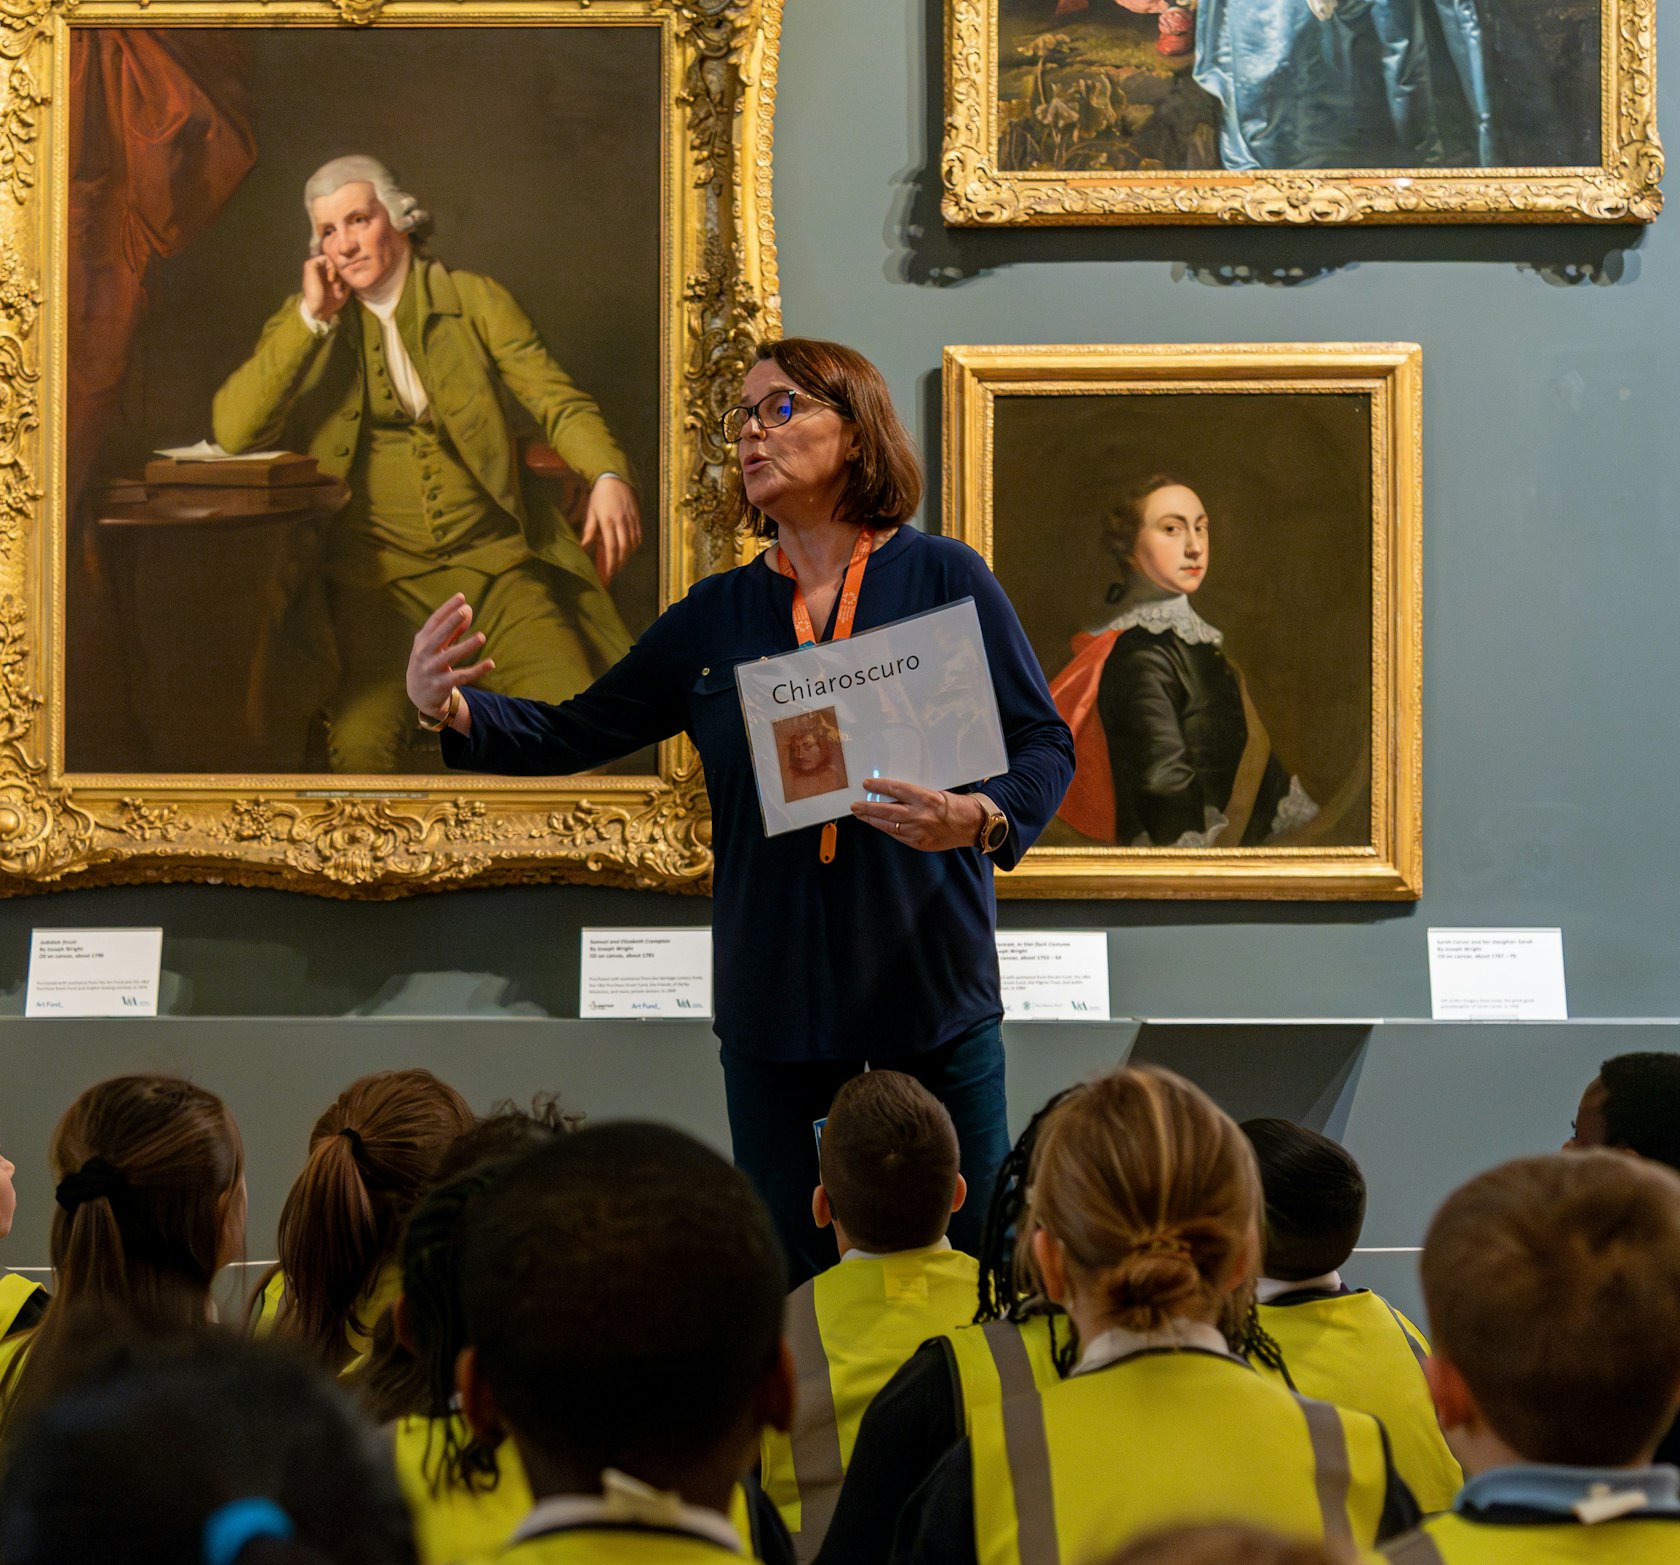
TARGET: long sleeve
(570,418)
(637,702)
(912,1422)
(937,1526)
(249,410)
(1039,743)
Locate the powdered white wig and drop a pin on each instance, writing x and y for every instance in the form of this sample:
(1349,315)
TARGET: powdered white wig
(406,214)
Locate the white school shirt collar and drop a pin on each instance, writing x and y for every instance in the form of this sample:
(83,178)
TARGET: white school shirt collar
(1269,1288)
(1110,1346)
(565,1511)
(881,1255)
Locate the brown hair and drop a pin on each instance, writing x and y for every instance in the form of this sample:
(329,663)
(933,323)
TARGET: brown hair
(1228,1545)
(1553,1285)
(146,1167)
(1151,1189)
(889,1162)
(372,1156)
(1123,524)
(885,482)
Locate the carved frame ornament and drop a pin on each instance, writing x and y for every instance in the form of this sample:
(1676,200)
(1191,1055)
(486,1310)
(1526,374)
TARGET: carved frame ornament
(1622,188)
(1389,865)
(372,837)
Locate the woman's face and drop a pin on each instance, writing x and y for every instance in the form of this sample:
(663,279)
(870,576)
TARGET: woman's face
(796,470)
(1171,551)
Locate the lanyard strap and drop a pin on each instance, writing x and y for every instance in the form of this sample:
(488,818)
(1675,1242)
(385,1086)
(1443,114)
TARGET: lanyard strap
(805,633)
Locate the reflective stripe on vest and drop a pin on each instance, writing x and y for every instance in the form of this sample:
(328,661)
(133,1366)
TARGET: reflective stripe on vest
(1410,1341)
(1073,1471)
(816,1438)
(1028,1448)
(1416,1548)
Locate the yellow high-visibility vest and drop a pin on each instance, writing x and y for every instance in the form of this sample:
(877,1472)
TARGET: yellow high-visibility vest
(850,1329)
(1004,1357)
(15,1292)
(1068,1473)
(617,1546)
(1358,1351)
(1458,1540)
(451,1521)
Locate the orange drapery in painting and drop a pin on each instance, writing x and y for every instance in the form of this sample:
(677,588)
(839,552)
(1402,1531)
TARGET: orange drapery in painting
(160,137)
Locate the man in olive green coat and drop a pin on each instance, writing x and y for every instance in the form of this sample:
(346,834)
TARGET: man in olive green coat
(395,373)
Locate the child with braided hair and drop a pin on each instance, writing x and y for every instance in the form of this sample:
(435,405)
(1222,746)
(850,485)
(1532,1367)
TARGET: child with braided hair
(1143,1221)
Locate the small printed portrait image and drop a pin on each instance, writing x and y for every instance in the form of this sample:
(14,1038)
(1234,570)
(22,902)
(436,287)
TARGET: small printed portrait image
(809,753)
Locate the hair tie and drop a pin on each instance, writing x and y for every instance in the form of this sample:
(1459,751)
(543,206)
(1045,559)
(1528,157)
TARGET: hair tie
(231,1528)
(1165,1244)
(93,1180)
(357,1145)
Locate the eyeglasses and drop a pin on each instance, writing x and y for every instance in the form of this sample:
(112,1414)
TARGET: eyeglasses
(771,411)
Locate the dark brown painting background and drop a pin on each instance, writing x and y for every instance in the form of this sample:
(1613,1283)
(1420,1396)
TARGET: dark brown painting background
(1286,480)
(538,152)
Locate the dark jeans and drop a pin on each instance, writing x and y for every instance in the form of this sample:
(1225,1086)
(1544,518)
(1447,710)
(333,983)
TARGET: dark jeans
(773,1105)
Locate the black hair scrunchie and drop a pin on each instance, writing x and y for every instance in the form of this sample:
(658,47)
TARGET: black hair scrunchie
(94,1180)
(357,1145)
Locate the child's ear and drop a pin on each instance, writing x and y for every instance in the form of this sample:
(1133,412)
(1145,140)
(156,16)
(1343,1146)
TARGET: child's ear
(960,1194)
(1051,1260)
(478,1407)
(776,1396)
(1455,1407)
(822,1214)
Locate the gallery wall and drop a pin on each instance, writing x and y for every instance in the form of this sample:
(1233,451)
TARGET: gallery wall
(1552,572)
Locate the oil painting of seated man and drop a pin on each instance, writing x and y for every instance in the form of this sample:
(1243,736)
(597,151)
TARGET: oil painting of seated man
(403,376)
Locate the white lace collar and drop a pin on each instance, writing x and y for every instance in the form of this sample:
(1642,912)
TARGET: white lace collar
(1162,614)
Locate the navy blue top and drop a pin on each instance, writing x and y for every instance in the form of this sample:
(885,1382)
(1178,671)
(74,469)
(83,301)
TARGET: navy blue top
(886,951)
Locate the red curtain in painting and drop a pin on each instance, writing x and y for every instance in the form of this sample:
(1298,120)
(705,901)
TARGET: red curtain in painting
(160,137)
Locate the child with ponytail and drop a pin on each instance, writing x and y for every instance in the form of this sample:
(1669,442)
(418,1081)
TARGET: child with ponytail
(151,1204)
(1143,1221)
(372,1156)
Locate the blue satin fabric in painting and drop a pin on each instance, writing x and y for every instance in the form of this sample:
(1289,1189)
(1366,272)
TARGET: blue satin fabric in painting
(1373,84)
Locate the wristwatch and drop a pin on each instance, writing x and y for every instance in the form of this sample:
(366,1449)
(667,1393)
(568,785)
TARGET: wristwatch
(994,830)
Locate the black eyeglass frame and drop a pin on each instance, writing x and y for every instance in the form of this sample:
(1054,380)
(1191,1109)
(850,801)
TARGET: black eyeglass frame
(753,411)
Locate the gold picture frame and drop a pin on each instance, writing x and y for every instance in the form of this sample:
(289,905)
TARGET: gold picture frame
(376,836)
(1074,103)
(1319,604)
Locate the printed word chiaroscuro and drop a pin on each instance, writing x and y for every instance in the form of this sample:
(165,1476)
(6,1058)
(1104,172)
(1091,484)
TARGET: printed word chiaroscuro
(803,689)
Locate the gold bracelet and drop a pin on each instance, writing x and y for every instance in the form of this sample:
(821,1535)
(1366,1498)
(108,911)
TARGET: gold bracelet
(436,725)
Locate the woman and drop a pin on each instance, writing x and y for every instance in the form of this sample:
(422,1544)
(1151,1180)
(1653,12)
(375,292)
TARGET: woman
(372,1156)
(151,1204)
(1172,753)
(886,954)
(1143,1222)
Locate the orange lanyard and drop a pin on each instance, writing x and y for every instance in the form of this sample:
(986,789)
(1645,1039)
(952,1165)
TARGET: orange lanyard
(806,634)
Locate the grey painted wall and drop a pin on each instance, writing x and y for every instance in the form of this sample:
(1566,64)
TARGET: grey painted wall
(1552,569)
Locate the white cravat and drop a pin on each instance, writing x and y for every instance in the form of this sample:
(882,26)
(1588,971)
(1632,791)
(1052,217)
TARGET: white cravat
(382,301)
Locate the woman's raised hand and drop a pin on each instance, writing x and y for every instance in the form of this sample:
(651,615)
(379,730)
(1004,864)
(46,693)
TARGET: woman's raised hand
(439,645)
(923,818)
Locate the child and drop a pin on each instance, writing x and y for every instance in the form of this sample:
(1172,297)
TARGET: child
(151,1204)
(372,1155)
(22,1300)
(1229,1545)
(1553,1290)
(200,1448)
(623,1300)
(1143,1221)
(1015,1340)
(1341,1345)
(889,1186)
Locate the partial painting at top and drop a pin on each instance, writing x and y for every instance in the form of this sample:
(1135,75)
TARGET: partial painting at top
(1286,110)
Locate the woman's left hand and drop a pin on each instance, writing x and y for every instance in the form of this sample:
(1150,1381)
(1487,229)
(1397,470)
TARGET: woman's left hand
(923,818)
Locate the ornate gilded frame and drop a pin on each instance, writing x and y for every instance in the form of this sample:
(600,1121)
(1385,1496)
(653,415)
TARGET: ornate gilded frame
(371,837)
(1390,866)
(1622,188)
